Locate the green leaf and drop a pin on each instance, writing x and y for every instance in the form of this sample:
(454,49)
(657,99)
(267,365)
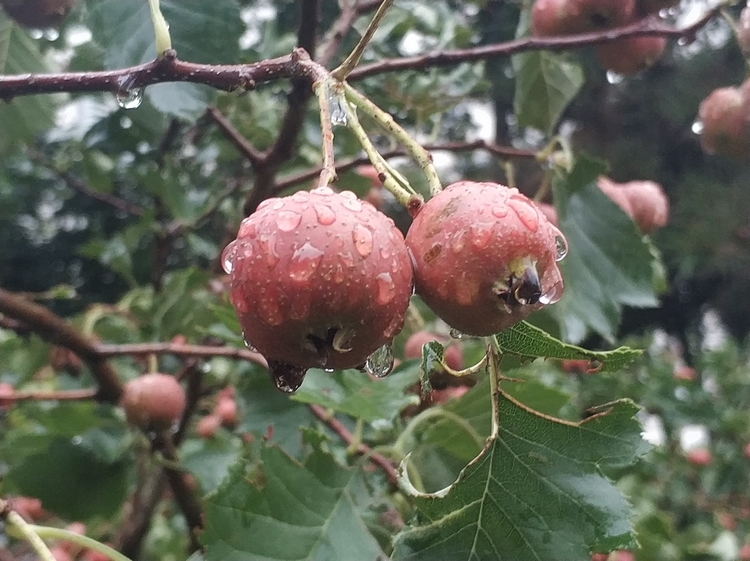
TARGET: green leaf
(286,510)
(530,342)
(536,492)
(23,118)
(209,460)
(609,263)
(355,393)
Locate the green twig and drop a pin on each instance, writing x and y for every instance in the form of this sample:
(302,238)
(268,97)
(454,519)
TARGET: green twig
(19,528)
(478,367)
(386,121)
(493,370)
(402,195)
(428,414)
(354,57)
(78,539)
(324,90)
(161,29)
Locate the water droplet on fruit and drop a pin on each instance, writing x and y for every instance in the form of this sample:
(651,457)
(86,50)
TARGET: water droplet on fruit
(288,220)
(501,211)
(552,295)
(248,229)
(301,196)
(456,334)
(338,274)
(480,234)
(362,240)
(322,191)
(526,212)
(459,241)
(278,205)
(130,98)
(304,262)
(561,247)
(386,288)
(352,204)
(268,246)
(286,377)
(227,258)
(325,215)
(380,363)
(614,77)
(348,195)
(697,127)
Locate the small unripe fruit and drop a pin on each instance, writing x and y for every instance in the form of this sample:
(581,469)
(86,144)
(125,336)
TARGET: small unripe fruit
(726,123)
(648,203)
(684,373)
(91,555)
(485,257)
(208,425)
(744,554)
(153,401)
(564,17)
(29,508)
(38,14)
(575,366)
(599,556)
(451,354)
(319,279)
(447,394)
(622,556)
(615,192)
(700,457)
(59,553)
(727,521)
(630,56)
(226,410)
(6,391)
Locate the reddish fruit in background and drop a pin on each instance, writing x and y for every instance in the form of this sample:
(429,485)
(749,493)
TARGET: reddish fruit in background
(615,192)
(369,172)
(59,553)
(744,554)
(226,410)
(647,7)
(574,366)
(700,457)
(38,14)
(77,528)
(485,257)
(630,56)
(622,556)
(746,450)
(30,508)
(447,394)
(649,204)
(153,401)
(599,556)
(319,279)
(452,354)
(61,359)
(564,17)
(727,521)
(91,555)
(726,123)
(208,425)
(684,373)
(6,391)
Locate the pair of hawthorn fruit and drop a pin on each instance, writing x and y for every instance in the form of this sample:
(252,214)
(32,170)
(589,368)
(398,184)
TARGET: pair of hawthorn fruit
(322,279)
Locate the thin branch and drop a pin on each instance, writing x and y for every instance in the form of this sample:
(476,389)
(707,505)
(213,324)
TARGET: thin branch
(205,351)
(59,395)
(355,56)
(350,163)
(54,329)
(342,25)
(336,426)
(644,27)
(252,155)
(137,523)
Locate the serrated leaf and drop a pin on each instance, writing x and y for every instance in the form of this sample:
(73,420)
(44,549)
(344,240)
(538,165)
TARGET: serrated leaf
(356,394)
(535,492)
(22,118)
(288,511)
(609,263)
(209,460)
(530,342)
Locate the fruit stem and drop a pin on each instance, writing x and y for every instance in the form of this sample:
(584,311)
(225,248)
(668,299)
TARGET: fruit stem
(493,371)
(17,527)
(386,121)
(478,367)
(161,29)
(402,195)
(78,539)
(354,57)
(323,91)
(428,414)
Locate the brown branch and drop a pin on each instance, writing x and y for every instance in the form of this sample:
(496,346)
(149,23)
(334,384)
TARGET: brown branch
(167,69)
(644,27)
(376,458)
(252,155)
(349,163)
(206,351)
(137,523)
(54,329)
(60,395)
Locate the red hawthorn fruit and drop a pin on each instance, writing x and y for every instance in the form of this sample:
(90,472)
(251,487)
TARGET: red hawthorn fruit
(77,528)
(565,17)
(549,211)
(746,451)
(413,349)
(648,7)
(369,172)
(153,401)
(59,553)
(91,555)
(226,410)
(599,556)
(622,556)
(38,14)
(648,203)
(6,391)
(319,279)
(726,521)
(29,508)
(576,366)
(208,425)
(726,123)
(745,552)
(447,394)
(630,56)
(743,32)
(485,257)
(616,193)
(685,373)
(700,457)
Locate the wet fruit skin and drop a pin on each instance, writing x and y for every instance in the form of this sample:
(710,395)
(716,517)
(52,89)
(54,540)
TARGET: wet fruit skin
(485,257)
(38,14)
(726,122)
(630,56)
(566,17)
(153,401)
(319,279)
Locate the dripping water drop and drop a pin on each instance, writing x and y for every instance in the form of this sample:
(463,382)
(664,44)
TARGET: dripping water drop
(456,334)
(338,113)
(697,127)
(614,77)
(561,247)
(130,98)
(380,363)
(227,258)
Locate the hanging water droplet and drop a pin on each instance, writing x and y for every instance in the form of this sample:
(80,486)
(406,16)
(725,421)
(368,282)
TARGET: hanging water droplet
(248,344)
(527,213)
(697,127)
(456,334)
(288,220)
(130,98)
(552,295)
(325,215)
(386,288)
(286,377)
(614,77)
(362,240)
(338,113)
(304,262)
(561,247)
(77,440)
(380,363)
(227,258)
(329,370)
